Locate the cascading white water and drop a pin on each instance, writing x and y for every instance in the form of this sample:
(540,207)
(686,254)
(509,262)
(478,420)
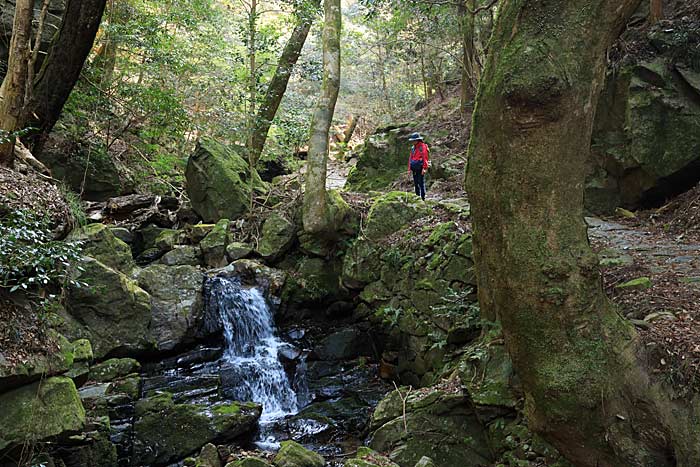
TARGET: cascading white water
(251,352)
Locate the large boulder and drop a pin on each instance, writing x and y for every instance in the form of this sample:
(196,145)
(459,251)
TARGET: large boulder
(108,308)
(176,303)
(165,432)
(393,211)
(85,167)
(218,181)
(646,139)
(278,235)
(36,365)
(292,454)
(99,242)
(437,424)
(366,457)
(39,411)
(381,160)
(213,246)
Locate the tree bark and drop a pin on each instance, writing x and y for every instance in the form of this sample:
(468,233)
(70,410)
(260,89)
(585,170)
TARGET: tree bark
(316,215)
(656,11)
(278,84)
(470,65)
(64,62)
(580,363)
(14,85)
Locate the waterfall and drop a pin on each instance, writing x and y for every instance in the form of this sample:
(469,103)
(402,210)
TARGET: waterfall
(251,369)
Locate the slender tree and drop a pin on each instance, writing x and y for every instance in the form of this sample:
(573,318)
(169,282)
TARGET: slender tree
(580,363)
(656,11)
(14,86)
(63,64)
(316,215)
(279,81)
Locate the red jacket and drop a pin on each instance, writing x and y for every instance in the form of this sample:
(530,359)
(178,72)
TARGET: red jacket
(419,152)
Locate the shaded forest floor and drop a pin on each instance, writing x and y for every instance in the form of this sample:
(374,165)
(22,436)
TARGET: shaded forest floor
(659,249)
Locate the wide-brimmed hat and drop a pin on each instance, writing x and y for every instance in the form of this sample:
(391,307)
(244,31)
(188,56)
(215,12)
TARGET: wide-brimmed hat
(415,137)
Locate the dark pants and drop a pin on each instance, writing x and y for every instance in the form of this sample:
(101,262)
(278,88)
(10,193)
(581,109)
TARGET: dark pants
(419,183)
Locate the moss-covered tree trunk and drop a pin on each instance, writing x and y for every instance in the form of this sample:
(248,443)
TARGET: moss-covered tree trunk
(14,85)
(316,213)
(61,69)
(278,84)
(470,66)
(586,388)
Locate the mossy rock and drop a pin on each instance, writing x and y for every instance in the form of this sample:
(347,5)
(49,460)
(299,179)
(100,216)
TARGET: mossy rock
(218,181)
(208,456)
(381,160)
(292,454)
(168,239)
(182,255)
(100,243)
(213,246)
(647,129)
(38,365)
(238,250)
(278,235)
(165,432)
(367,457)
(39,411)
(488,375)
(176,303)
(249,462)
(362,264)
(639,283)
(112,311)
(440,426)
(392,212)
(113,368)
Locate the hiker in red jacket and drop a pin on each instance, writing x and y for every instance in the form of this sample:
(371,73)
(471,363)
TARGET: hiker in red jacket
(418,163)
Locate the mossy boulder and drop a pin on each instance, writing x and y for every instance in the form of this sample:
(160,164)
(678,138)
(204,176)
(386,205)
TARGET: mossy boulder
(39,411)
(100,243)
(238,250)
(182,255)
(312,282)
(278,235)
(292,454)
(208,456)
(176,303)
(86,167)
(213,246)
(381,160)
(249,462)
(218,181)
(393,211)
(646,138)
(437,424)
(367,457)
(41,364)
(112,311)
(113,368)
(165,432)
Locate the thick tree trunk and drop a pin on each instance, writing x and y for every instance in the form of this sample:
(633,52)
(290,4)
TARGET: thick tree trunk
(14,85)
(62,67)
(586,389)
(316,216)
(278,84)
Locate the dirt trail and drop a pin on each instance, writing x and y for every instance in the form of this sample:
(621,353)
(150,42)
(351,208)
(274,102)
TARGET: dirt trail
(666,307)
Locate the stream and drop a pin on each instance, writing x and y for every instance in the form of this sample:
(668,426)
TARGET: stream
(325,405)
